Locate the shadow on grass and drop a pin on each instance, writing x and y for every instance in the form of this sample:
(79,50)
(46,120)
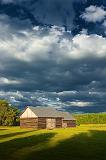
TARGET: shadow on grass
(9,135)
(10,147)
(83,146)
(2,129)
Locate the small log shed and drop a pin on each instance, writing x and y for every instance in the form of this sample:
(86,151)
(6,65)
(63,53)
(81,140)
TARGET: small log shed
(46,118)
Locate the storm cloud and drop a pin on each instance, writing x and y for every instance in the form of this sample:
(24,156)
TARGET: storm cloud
(44,60)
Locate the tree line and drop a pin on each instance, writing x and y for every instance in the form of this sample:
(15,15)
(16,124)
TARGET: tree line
(9,115)
(91,118)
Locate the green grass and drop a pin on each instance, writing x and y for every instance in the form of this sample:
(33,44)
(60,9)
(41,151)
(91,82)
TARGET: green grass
(85,142)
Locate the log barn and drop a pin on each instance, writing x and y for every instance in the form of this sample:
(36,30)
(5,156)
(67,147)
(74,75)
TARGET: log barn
(46,118)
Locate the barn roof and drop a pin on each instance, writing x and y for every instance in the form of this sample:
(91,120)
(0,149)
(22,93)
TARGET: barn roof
(67,116)
(50,112)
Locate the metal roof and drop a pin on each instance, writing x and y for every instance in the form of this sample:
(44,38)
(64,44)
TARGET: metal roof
(50,112)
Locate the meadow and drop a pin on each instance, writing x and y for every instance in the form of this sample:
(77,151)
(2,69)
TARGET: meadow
(85,142)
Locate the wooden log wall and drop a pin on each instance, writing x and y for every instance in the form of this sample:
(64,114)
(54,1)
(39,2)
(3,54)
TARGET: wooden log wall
(58,122)
(70,123)
(29,122)
(41,122)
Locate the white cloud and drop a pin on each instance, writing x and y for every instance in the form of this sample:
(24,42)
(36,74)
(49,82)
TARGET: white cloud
(4,80)
(39,44)
(94,14)
(16,94)
(80,103)
(13,100)
(33,47)
(88,46)
(66,93)
(104,23)
(84,31)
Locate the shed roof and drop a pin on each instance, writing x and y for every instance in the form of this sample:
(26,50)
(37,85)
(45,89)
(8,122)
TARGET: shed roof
(67,115)
(50,112)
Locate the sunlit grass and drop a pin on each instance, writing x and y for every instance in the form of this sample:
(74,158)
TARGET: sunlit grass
(89,141)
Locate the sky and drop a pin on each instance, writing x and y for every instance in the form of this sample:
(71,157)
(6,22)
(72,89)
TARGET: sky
(53,53)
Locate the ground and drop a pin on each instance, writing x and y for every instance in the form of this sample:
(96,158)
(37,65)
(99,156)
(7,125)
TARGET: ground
(85,142)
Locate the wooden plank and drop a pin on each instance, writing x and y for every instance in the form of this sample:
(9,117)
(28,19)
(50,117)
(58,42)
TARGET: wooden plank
(69,123)
(41,122)
(29,122)
(58,122)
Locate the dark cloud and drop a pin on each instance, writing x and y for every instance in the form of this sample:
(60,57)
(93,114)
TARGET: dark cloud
(49,55)
(54,12)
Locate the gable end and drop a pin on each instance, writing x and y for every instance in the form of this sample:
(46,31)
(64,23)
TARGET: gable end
(28,113)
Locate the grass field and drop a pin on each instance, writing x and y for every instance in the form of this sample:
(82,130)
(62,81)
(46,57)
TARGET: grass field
(86,142)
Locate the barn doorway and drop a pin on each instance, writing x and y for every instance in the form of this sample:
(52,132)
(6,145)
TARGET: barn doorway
(50,123)
(64,125)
